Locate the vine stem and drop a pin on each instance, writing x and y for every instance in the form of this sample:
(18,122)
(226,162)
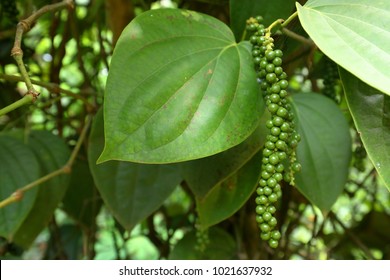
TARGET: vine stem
(66,169)
(21,102)
(55,88)
(281,23)
(289,19)
(275,23)
(17,52)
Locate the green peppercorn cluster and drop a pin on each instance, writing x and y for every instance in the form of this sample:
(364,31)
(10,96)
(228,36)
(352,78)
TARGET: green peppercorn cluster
(330,79)
(279,148)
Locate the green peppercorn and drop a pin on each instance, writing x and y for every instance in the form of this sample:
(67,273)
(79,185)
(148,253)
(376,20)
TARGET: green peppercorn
(282,138)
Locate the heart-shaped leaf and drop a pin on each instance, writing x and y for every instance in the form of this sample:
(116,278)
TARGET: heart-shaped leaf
(18,167)
(370,110)
(227,197)
(324,151)
(353,33)
(131,191)
(52,153)
(179,88)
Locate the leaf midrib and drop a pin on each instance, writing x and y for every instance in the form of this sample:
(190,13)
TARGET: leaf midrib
(125,139)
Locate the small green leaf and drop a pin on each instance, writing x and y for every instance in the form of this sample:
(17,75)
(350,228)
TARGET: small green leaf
(179,88)
(202,175)
(324,151)
(18,167)
(241,10)
(52,153)
(131,191)
(370,110)
(228,197)
(353,33)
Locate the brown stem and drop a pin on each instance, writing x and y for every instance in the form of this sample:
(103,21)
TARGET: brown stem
(119,14)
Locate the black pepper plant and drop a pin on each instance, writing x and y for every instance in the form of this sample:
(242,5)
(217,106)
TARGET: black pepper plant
(201,136)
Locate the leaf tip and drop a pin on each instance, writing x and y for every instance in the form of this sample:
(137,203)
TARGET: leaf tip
(103,157)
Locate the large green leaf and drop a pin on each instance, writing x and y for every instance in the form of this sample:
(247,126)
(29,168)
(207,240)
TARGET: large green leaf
(179,88)
(370,110)
(241,10)
(324,151)
(202,175)
(18,167)
(131,191)
(353,33)
(228,196)
(52,153)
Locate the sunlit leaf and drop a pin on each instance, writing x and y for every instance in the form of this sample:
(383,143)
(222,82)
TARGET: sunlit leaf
(353,33)
(179,88)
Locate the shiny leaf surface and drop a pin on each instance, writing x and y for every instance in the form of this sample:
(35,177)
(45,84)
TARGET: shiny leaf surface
(179,88)
(353,33)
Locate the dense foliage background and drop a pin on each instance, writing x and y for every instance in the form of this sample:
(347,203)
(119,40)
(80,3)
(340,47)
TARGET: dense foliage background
(197,204)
